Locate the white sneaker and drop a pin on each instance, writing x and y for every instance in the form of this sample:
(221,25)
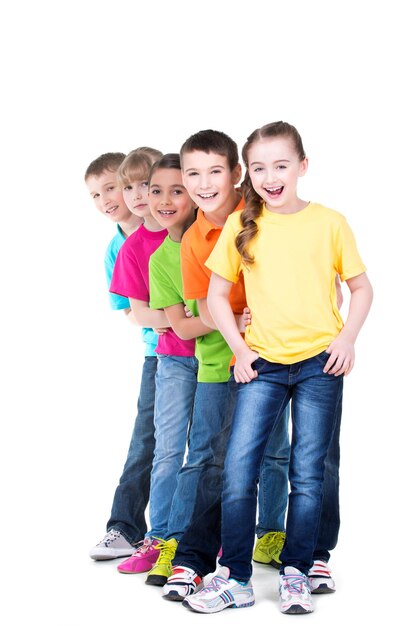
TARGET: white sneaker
(221,592)
(112,546)
(183,582)
(320,578)
(295,592)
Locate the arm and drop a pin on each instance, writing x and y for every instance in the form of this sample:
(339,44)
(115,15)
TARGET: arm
(144,316)
(223,316)
(341,350)
(242,320)
(185,327)
(129,314)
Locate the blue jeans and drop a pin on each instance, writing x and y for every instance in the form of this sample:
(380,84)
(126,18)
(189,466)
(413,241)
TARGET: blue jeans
(315,405)
(131,495)
(175,382)
(199,482)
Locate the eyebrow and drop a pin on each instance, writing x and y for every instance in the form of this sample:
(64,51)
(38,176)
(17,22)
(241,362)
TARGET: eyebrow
(194,169)
(277,161)
(171,186)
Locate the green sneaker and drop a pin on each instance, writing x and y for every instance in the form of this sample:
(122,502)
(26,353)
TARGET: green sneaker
(162,569)
(268,548)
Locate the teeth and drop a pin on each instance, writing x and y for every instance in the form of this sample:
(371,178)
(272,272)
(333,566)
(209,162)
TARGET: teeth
(166,212)
(273,189)
(207,195)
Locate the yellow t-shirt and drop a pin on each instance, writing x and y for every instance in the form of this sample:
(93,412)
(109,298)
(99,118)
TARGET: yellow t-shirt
(291,285)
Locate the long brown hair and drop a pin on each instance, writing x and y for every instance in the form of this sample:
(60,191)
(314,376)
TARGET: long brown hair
(253,202)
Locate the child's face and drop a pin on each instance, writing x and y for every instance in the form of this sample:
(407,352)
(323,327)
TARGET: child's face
(209,180)
(169,201)
(107,196)
(135,196)
(274,168)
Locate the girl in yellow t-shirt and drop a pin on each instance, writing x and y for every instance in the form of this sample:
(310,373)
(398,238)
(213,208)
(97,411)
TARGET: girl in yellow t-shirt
(296,347)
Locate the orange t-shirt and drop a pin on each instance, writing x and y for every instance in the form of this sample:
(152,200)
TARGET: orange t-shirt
(196,245)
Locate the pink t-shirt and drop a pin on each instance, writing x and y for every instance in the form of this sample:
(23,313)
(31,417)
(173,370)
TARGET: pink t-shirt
(131,279)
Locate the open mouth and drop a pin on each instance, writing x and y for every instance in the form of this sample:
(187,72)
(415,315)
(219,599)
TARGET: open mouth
(112,210)
(274,192)
(167,212)
(207,196)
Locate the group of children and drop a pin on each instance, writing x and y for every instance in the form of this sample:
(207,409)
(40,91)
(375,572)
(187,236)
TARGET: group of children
(236,289)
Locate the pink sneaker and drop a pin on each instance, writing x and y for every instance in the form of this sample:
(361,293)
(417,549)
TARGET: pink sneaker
(142,559)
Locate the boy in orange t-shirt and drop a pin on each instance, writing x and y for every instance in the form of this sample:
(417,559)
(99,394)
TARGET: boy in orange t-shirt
(210,174)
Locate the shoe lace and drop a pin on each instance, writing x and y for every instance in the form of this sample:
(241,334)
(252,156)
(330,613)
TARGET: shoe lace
(214,585)
(294,584)
(144,547)
(167,552)
(111,536)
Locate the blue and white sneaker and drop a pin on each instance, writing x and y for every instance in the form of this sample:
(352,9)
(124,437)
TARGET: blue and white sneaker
(295,592)
(183,582)
(221,592)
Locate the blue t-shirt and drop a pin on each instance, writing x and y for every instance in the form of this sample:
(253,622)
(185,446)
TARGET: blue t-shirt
(118,303)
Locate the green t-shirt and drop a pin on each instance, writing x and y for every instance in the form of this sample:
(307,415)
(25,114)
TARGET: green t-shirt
(166,289)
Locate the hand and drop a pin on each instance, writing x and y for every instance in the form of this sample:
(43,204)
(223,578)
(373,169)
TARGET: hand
(243,320)
(243,371)
(160,331)
(341,357)
(188,311)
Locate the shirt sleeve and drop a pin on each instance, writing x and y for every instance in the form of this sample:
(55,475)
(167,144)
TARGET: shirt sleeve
(127,279)
(225,259)
(117,302)
(195,277)
(163,291)
(348,262)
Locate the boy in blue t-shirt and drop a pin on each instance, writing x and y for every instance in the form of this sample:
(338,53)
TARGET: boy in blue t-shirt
(127,525)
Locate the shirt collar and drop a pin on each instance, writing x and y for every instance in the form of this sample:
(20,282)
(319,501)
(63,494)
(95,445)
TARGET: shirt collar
(206,227)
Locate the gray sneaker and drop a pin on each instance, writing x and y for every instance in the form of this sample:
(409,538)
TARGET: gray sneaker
(112,546)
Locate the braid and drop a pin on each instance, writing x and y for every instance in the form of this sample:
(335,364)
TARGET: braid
(252,210)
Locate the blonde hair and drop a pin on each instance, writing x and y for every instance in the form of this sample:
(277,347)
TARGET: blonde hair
(253,202)
(137,165)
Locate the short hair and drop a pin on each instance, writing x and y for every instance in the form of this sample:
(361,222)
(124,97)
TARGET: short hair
(136,165)
(212,141)
(109,161)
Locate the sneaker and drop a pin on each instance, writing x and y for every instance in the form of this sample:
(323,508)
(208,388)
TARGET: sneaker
(295,592)
(142,559)
(268,548)
(112,546)
(221,592)
(183,582)
(320,578)
(162,570)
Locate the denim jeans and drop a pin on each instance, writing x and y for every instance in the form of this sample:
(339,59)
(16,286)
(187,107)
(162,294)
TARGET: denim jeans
(315,407)
(132,493)
(175,382)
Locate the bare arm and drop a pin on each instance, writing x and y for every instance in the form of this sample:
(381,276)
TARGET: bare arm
(185,327)
(223,316)
(144,316)
(129,314)
(341,350)
(242,320)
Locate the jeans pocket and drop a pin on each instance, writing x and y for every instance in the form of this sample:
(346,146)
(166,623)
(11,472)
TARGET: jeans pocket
(322,357)
(259,364)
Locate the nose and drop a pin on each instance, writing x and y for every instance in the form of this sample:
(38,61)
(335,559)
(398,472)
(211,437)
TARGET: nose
(165,199)
(204,181)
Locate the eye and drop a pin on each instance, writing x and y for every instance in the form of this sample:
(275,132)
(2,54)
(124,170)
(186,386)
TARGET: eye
(192,174)
(95,195)
(144,184)
(155,192)
(216,171)
(177,192)
(282,167)
(111,188)
(127,188)
(257,169)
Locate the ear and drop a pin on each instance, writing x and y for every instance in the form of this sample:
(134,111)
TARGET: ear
(236,174)
(303,167)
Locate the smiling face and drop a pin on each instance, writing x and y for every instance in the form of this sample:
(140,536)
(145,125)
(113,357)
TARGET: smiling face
(169,201)
(108,197)
(135,195)
(274,167)
(210,182)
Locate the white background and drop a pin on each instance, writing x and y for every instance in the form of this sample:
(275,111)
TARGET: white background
(110,76)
